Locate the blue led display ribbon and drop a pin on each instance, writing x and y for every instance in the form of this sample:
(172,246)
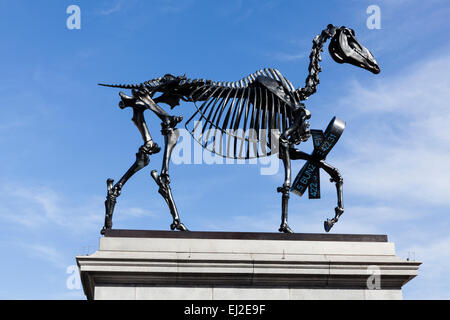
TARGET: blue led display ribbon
(308,177)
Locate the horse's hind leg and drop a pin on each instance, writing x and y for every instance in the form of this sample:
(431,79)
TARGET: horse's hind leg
(171,136)
(337,178)
(142,160)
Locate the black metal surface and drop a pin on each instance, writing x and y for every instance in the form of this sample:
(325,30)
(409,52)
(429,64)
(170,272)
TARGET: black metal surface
(261,115)
(124,233)
(308,177)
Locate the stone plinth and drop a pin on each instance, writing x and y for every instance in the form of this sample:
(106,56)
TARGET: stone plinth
(138,264)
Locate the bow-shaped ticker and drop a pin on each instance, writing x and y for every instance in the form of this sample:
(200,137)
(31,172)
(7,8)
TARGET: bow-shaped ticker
(308,177)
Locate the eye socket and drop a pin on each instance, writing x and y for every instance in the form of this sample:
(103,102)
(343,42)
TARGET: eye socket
(348,31)
(355,45)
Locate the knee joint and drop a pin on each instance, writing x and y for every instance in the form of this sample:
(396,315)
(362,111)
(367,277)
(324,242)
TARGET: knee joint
(284,190)
(142,159)
(336,177)
(170,123)
(149,148)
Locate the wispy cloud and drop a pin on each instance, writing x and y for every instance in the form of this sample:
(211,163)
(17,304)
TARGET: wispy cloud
(398,34)
(173,6)
(433,281)
(134,212)
(35,207)
(12,125)
(115,8)
(286,57)
(403,148)
(398,155)
(396,168)
(48,254)
(38,207)
(239,11)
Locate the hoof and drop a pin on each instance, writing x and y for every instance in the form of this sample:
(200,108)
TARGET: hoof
(285,228)
(328,225)
(178,226)
(106,226)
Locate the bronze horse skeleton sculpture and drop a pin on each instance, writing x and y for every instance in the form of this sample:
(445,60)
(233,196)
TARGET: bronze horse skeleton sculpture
(260,104)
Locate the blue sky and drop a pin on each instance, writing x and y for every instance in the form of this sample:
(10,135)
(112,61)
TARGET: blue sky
(62,136)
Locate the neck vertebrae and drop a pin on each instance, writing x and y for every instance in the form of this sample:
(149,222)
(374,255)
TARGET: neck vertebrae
(312,80)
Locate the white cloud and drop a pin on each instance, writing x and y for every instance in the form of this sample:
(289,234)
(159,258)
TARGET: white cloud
(172,6)
(401,148)
(281,56)
(433,281)
(38,207)
(137,212)
(396,166)
(398,35)
(35,207)
(47,253)
(115,8)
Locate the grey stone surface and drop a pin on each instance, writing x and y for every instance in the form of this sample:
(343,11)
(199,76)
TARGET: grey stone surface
(125,292)
(186,268)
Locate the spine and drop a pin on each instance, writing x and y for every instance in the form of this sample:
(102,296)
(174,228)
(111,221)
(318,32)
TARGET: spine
(312,80)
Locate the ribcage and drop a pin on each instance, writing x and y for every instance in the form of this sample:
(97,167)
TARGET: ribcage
(243,119)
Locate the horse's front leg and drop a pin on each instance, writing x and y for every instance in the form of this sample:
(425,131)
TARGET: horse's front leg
(285,189)
(336,178)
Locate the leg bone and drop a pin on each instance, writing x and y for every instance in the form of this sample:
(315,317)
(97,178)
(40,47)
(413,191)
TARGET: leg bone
(113,191)
(171,136)
(337,179)
(142,158)
(285,189)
